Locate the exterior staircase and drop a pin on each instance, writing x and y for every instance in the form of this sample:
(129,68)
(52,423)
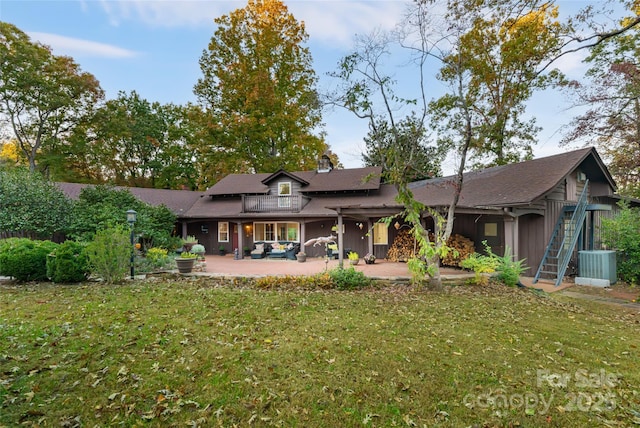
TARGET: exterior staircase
(563,241)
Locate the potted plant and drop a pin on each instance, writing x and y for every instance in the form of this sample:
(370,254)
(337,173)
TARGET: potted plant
(221,250)
(354,258)
(189,242)
(302,257)
(186,261)
(369,258)
(247,251)
(198,250)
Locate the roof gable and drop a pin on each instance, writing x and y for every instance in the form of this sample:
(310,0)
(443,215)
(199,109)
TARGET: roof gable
(514,184)
(283,173)
(336,180)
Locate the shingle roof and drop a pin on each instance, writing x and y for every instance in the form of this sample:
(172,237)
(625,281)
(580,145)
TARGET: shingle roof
(510,185)
(178,201)
(336,180)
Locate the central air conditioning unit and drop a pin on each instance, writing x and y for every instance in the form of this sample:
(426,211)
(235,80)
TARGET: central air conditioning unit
(598,264)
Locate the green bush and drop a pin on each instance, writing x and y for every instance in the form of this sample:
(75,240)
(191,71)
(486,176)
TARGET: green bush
(508,270)
(25,259)
(480,265)
(68,263)
(109,254)
(622,233)
(347,279)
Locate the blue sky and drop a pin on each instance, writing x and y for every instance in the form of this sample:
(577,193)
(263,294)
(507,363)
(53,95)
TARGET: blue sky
(153,47)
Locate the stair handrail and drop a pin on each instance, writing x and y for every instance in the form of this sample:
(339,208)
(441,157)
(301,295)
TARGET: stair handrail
(577,219)
(548,249)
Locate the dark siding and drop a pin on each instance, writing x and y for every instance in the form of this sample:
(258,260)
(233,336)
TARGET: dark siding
(531,242)
(354,238)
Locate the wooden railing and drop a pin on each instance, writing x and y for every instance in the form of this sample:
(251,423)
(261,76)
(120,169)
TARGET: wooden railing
(267,204)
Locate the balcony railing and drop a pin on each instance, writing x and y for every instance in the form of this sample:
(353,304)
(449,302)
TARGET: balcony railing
(268,204)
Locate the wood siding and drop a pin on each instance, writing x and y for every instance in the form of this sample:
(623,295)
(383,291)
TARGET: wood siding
(531,243)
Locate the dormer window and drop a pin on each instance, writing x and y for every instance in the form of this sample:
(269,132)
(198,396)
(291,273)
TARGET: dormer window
(284,194)
(325,164)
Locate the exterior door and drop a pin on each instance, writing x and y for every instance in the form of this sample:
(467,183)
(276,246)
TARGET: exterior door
(234,238)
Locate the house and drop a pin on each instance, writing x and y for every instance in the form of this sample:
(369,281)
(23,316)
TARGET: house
(294,207)
(520,206)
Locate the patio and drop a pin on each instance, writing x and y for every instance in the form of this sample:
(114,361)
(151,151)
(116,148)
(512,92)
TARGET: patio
(382,269)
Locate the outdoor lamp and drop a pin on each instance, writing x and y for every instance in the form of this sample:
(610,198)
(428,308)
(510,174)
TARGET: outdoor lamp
(131,219)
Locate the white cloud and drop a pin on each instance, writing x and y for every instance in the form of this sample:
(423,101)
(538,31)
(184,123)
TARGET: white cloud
(166,14)
(62,45)
(338,21)
(332,22)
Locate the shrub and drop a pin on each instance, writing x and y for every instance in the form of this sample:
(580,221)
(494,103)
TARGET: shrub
(508,270)
(25,259)
(32,205)
(480,265)
(156,259)
(347,279)
(68,263)
(109,254)
(319,281)
(622,233)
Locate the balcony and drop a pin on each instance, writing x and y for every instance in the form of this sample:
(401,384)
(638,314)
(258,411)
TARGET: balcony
(273,204)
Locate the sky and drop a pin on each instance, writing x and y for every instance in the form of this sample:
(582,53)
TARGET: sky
(153,47)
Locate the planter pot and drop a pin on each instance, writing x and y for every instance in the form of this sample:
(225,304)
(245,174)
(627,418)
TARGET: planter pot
(185,265)
(301,258)
(369,262)
(354,262)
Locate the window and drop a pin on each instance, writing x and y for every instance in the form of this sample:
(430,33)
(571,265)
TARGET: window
(276,231)
(284,194)
(269,232)
(380,234)
(491,229)
(223,231)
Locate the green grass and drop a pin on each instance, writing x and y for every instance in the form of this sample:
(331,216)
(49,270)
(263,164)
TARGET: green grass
(198,353)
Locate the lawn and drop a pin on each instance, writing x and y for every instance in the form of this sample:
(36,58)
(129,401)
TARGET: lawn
(185,352)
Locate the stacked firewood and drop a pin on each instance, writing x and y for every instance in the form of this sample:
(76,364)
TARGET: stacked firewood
(404,247)
(462,245)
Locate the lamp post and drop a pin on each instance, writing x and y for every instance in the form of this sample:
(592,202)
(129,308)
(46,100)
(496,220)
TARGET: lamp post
(131,219)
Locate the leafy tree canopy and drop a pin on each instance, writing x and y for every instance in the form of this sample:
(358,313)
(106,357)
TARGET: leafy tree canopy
(30,206)
(130,141)
(103,207)
(42,96)
(406,147)
(612,96)
(258,91)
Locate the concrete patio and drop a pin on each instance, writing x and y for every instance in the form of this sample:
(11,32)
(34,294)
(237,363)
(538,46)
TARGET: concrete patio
(227,266)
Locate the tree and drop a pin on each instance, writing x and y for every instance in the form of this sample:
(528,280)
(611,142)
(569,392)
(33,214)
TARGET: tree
(491,55)
(30,206)
(396,133)
(132,142)
(102,207)
(612,98)
(422,161)
(10,154)
(42,96)
(502,55)
(258,90)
